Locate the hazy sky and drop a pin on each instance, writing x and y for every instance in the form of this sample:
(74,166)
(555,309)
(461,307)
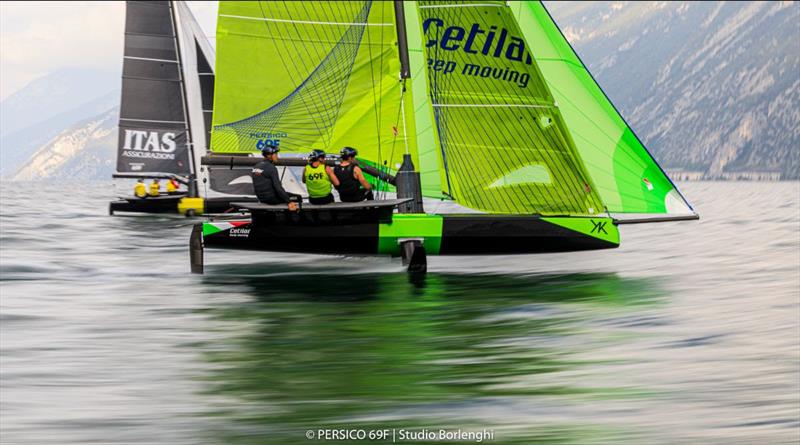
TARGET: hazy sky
(39,37)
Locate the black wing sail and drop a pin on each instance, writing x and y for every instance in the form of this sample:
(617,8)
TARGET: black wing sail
(153,129)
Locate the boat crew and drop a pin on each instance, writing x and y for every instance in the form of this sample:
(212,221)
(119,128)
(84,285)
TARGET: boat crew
(155,188)
(318,178)
(172,185)
(140,190)
(353,186)
(267,182)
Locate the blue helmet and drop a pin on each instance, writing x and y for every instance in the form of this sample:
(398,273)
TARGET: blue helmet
(315,154)
(348,152)
(270,149)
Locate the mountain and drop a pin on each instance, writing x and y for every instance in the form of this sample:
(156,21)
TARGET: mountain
(34,114)
(53,94)
(711,87)
(16,148)
(85,150)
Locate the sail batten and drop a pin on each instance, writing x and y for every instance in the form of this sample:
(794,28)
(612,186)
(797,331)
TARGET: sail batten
(149,59)
(303,22)
(495,105)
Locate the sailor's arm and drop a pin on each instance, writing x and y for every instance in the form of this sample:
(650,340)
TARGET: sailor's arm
(360,176)
(277,186)
(332,176)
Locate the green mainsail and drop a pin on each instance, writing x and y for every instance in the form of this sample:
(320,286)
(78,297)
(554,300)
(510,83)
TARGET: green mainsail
(427,139)
(627,177)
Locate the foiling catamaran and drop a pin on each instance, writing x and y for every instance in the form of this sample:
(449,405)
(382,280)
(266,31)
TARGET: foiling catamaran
(165,113)
(482,107)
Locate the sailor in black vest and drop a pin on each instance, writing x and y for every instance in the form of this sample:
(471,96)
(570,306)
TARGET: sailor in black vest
(353,187)
(267,182)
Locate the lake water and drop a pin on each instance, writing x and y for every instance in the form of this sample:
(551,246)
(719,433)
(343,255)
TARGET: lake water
(688,333)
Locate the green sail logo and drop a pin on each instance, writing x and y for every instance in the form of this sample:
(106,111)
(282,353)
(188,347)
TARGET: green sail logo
(267,138)
(491,42)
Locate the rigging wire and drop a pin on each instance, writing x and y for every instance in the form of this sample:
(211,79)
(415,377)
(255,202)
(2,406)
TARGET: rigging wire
(397,122)
(375,102)
(403,113)
(384,187)
(384,168)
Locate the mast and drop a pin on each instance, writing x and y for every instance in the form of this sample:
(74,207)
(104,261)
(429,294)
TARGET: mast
(402,39)
(193,192)
(408,180)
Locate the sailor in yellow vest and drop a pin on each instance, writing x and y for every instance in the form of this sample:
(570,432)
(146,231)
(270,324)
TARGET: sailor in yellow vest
(155,188)
(172,186)
(318,178)
(140,190)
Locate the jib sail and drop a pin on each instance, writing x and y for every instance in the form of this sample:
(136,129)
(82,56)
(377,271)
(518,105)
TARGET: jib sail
(627,177)
(153,126)
(504,145)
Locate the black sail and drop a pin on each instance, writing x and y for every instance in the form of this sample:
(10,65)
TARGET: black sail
(153,129)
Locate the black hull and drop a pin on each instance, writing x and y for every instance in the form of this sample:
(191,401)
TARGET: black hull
(159,204)
(176,204)
(509,235)
(371,228)
(441,235)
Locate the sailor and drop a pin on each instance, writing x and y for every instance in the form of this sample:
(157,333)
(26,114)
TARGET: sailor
(140,190)
(353,187)
(172,185)
(155,188)
(318,178)
(267,182)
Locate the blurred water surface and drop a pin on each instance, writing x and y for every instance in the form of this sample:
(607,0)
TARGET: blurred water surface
(689,333)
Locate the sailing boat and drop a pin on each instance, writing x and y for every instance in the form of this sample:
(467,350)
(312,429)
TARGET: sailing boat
(478,116)
(166,110)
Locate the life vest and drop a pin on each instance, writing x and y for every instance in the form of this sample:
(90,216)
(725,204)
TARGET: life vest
(317,181)
(171,187)
(139,190)
(348,184)
(155,189)
(267,184)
